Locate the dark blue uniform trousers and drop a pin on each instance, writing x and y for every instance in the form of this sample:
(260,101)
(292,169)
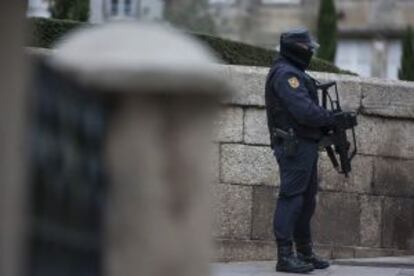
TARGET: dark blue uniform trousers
(297,195)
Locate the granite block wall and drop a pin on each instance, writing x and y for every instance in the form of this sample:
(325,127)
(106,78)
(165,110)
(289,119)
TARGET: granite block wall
(369,214)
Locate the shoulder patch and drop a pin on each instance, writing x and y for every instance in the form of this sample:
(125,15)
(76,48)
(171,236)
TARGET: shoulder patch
(294,82)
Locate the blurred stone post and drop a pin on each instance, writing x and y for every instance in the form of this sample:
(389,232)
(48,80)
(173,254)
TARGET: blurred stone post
(12,167)
(163,92)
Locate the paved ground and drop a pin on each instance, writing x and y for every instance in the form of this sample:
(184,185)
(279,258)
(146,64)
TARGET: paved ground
(398,262)
(267,269)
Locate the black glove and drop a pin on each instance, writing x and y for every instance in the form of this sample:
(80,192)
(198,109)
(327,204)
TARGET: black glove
(345,120)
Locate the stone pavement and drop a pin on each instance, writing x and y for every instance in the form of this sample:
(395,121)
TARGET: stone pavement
(398,262)
(267,269)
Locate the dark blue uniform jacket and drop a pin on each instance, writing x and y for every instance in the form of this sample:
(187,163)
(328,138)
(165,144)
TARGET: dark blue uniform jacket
(292,102)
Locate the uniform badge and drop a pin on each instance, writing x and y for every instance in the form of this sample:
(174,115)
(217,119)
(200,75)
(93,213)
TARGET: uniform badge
(293,82)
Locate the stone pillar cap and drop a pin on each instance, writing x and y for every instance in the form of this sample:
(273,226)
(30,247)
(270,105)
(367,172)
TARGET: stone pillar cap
(138,57)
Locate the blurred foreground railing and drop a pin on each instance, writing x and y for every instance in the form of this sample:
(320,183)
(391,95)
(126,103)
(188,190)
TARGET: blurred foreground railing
(67,176)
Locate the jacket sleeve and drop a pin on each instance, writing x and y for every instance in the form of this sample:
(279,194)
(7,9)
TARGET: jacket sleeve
(290,87)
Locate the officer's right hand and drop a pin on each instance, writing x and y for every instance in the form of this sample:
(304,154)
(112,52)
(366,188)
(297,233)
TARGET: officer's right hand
(345,120)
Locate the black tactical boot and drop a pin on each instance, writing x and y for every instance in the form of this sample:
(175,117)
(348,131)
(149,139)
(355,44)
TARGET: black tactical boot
(306,254)
(288,262)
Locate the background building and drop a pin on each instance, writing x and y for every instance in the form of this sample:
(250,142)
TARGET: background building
(369,30)
(370,35)
(104,10)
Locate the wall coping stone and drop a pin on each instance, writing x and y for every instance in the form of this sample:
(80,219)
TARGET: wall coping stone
(374,96)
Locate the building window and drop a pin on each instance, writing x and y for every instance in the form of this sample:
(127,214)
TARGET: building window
(361,56)
(146,11)
(128,7)
(222,2)
(114,7)
(275,2)
(393,59)
(355,55)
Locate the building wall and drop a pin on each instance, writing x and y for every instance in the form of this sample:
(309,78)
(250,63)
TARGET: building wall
(273,18)
(367,215)
(267,17)
(375,27)
(375,13)
(255,22)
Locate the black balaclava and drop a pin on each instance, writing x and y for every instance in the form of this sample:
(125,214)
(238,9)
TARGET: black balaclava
(300,56)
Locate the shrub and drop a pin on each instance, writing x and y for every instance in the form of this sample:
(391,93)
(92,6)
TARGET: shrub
(406,71)
(327,30)
(47,31)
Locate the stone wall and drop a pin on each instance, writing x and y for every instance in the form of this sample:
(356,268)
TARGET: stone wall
(369,214)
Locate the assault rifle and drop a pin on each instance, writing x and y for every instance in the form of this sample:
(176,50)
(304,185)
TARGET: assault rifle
(336,139)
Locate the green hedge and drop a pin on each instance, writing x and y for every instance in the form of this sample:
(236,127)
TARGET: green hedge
(46,31)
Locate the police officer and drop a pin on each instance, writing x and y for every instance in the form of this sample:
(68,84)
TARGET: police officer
(296,123)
